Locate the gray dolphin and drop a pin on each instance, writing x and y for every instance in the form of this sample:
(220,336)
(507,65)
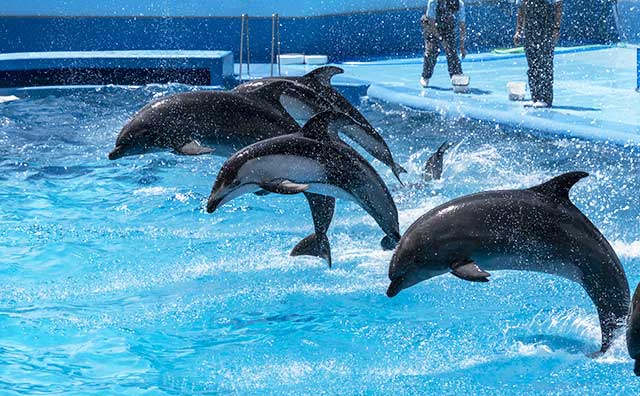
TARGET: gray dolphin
(201,122)
(536,229)
(433,166)
(312,93)
(311,162)
(222,123)
(633,331)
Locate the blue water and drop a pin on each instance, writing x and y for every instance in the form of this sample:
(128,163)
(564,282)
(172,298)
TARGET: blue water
(113,279)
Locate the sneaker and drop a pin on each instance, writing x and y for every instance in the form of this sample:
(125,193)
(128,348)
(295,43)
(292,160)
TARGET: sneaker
(424,82)
(528,103)
(541,105)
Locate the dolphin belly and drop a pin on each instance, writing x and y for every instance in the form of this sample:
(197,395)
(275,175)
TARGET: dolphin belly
(519,262)
(281,166)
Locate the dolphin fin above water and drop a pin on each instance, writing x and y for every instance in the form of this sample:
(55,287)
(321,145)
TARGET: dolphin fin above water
(558,187)
(322,75)
(194,148)
(283,186)
(433,166)
(314,245)
(325,126)
(469,271)
(317,244)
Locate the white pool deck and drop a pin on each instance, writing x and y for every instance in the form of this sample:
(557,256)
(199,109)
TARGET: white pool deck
(595,90)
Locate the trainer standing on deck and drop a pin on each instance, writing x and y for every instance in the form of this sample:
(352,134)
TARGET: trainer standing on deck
(538,23)
(438,27)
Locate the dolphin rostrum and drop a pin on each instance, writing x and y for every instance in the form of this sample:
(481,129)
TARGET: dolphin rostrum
(537,229)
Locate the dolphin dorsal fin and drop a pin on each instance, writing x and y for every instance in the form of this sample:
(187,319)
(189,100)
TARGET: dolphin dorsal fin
(323,74)
(559,186)
(325,125)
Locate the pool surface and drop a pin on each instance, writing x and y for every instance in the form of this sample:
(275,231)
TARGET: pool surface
(114,280)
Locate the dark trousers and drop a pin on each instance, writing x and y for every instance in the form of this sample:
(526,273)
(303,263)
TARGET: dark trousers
(446,37)
(538,48)
(540,73)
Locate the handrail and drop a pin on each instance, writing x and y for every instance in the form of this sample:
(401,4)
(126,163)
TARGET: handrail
(275,38)
(244,32)
(241,44)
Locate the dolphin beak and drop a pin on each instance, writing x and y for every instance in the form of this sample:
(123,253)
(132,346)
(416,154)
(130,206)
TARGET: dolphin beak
(395,287)
(213,203)
(116,153)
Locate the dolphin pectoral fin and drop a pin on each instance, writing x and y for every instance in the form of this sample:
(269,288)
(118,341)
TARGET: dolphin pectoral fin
(316,245)
(469,270)
(194,148)
(261,193)
(283,186)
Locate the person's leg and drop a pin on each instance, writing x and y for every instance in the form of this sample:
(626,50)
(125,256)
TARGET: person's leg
(447,32)
(546,74)
(533,72)
(430,52)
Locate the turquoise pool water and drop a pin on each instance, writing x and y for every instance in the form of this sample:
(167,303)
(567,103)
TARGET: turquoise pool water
(114,280)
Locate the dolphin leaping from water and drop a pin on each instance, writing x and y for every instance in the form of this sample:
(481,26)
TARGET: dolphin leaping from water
(313,93)
(537,229)
(313,162)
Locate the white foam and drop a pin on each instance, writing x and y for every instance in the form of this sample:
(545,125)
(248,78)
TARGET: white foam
(149,191)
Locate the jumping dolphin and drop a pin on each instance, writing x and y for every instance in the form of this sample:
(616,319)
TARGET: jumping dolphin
(633,331)
(536,229)
(433,166)
(313,93)
(200,122)
(312,163)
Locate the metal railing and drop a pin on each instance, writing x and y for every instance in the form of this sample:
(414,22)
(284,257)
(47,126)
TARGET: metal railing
(244,33)
(275,39)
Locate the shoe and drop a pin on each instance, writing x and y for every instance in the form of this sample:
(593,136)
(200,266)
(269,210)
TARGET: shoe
(541,105)
(528,103)
(424,82)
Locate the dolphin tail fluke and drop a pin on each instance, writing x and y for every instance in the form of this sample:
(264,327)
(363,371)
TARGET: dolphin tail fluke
(316,245)
(444,147)
(397,169)
(389,243)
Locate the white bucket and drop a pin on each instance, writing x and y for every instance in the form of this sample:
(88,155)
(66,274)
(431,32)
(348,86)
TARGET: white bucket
(516,90)
(316,59)
(460,83)
(9,98)
(291,59)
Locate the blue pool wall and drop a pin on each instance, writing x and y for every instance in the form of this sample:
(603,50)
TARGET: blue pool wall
(336,28)
(629,20)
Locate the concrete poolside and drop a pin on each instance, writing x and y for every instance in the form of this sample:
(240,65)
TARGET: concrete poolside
(595,90)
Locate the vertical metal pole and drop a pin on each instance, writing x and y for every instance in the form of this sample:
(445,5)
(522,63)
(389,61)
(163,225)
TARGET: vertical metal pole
(278,32)
(248,50)
(241,44)
(273,38)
